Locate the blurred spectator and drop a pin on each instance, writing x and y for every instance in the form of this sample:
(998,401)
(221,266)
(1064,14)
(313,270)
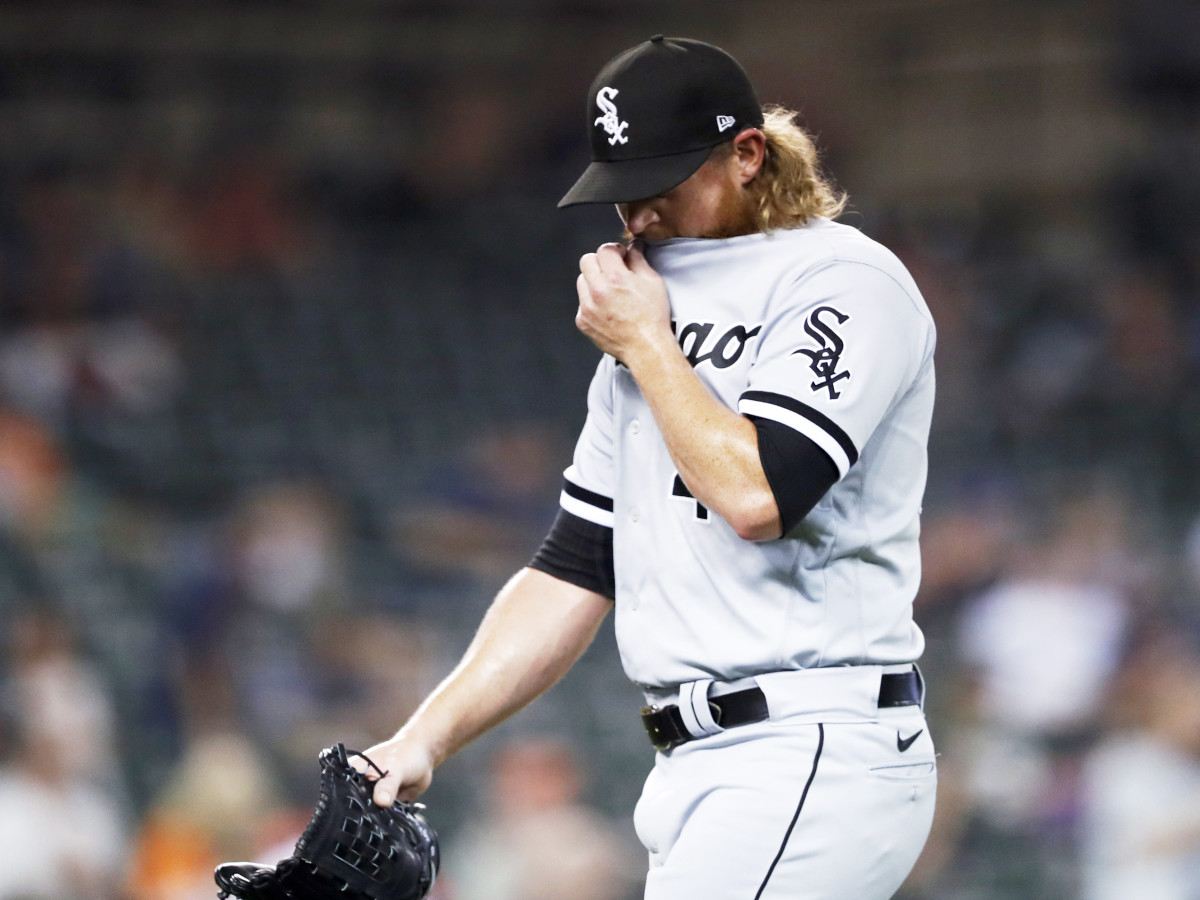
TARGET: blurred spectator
(241,217)
(62,823)
(221,803)
(62,701)
(1142,783)
(123,365)
(287,557)
(33,477)
(50,249)
(73,335)
(288,546)
(61,838)
(1045,639)
(537,840)
(1040,646)
(146,209)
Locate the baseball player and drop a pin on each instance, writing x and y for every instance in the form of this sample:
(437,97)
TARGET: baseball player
(745,492)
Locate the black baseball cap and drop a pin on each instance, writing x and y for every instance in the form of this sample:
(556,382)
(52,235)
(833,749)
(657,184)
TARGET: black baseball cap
(655,112)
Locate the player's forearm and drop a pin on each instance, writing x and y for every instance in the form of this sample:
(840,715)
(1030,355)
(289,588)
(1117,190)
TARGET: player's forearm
(535,630)
(714,448)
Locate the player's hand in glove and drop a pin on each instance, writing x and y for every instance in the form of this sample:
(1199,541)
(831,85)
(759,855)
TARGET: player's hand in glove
(352,849)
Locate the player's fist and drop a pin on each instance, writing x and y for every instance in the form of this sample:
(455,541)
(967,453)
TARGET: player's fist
(407,765)
(623,302)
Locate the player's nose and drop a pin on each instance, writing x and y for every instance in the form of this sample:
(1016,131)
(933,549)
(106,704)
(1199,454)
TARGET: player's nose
(639,216)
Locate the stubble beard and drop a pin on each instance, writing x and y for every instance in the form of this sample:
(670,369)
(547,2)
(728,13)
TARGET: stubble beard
(736,216)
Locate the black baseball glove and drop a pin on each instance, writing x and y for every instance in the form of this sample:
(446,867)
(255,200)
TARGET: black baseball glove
(351,849)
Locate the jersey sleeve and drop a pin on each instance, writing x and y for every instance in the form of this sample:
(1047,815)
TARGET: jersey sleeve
(844,342)
(579,547)
(589,481)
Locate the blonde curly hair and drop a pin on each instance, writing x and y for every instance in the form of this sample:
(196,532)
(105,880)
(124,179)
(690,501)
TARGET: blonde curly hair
(790,188)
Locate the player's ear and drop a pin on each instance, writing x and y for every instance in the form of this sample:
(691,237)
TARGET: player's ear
(749,150)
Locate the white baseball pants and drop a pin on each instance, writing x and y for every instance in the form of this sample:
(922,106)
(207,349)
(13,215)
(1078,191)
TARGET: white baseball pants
(830,799)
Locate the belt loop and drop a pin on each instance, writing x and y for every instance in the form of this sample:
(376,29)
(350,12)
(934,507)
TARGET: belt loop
(694,709)
(920,685)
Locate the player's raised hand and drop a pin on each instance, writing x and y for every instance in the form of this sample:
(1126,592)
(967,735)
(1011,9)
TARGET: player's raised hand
(623,302)
(408,766)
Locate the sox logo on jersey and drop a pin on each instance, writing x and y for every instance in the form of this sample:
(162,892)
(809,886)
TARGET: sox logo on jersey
(825,361)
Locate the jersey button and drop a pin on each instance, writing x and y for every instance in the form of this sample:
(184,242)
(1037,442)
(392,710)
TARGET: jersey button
(635,602)
(635,515)
(635,427)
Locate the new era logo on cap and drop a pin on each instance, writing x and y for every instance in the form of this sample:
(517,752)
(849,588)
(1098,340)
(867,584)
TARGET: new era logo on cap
(724,122)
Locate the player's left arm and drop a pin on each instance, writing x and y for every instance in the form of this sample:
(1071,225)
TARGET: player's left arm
(624,310)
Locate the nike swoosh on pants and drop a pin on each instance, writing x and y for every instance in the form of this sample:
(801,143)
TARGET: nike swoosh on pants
(903,744)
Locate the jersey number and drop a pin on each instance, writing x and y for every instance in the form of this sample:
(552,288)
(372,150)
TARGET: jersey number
(679,489)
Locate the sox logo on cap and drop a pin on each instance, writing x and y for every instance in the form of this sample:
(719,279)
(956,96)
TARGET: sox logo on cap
(610,121)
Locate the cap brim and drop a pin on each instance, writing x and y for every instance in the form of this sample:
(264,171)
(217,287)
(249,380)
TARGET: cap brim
(623,181)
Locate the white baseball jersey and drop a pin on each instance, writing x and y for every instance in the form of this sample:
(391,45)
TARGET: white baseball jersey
(820,329)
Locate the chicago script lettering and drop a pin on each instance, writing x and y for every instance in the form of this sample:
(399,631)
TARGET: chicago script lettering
(724,351)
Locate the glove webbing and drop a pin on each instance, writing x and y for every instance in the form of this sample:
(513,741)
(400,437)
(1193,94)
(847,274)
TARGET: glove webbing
(352,840)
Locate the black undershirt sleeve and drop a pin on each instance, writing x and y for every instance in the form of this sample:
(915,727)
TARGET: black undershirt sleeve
(798,471)
(579,552)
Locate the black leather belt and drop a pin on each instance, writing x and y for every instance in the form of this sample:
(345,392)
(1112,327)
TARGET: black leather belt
(667,731)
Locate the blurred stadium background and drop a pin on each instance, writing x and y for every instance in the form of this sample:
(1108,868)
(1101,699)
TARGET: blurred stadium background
(288,376)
